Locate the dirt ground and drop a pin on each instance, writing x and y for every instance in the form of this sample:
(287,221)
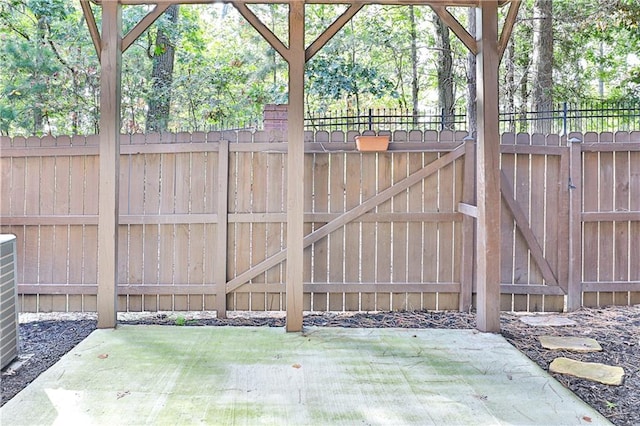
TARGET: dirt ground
(45,338)
(617,329)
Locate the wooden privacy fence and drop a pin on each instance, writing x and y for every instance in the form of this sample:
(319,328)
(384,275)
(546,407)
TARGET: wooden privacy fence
(203,215)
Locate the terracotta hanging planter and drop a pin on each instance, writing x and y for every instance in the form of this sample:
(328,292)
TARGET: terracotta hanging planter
(372,143)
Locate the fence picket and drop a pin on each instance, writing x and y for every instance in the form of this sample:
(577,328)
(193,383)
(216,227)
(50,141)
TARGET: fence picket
(590,196)
(383,232)
(621,229)
(258,230)
(197,240)
(507,227)
(242,238)
(536,218)
(606,203)
(555,244)
(275,231)
(634,227)
(135,234)
(415,238)
(182,203)
(399,232)
(368,232)
(321,247)
(352,259)
(446,237)
(521,263)
(307,229)
(337,190)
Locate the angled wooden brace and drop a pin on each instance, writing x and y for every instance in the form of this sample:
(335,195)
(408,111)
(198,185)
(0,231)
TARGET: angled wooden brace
(455,25)
(507,28)
(93,27)
(143,25)
(328,34)
(265,32)
(132,36)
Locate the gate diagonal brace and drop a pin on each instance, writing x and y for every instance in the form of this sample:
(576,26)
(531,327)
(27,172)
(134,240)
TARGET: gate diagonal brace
(523,224)
(350,215)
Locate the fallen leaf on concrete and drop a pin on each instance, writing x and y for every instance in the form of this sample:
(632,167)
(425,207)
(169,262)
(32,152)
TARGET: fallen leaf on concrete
(103,356)
(296,366)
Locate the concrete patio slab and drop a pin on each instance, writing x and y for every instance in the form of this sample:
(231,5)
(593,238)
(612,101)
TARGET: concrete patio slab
(161,375)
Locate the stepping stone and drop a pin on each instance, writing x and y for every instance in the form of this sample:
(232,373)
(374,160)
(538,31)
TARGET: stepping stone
(547,320)
(596,372)
(577,344)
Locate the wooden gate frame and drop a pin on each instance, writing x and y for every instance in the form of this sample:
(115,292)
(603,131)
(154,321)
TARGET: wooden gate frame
(555,282)
(351,215)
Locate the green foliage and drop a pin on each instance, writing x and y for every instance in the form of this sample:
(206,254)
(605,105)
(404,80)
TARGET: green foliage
(225,71)
(593,44)
(47,80)
(337,78)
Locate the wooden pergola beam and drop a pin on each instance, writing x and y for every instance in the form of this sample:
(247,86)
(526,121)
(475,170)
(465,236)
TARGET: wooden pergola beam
(507,27)
(457,28)
(142,26)
(262,29)
(93,27)
(332,30)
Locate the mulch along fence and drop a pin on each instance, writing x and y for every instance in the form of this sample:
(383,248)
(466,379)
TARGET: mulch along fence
(385,231)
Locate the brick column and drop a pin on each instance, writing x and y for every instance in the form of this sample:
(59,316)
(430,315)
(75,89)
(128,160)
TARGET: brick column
(275,117)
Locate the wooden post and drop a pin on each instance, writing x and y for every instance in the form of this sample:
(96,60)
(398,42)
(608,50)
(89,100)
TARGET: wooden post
(488,169)
(110,73)
(468,197)
(574,295)
(223,211)
(295,168)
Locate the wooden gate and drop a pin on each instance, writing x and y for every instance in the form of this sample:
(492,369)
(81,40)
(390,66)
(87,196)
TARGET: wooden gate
(382,229)
(535,219)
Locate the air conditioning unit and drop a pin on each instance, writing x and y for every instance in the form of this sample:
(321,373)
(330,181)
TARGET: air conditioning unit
(8,300)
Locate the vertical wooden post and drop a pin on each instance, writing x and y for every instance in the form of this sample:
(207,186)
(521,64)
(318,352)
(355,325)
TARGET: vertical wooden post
(574,295)
(223,210)
(488,169)
(468,197)
(295,167)
(110,73)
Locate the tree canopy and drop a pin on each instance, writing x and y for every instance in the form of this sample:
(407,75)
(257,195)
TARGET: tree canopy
(223,72)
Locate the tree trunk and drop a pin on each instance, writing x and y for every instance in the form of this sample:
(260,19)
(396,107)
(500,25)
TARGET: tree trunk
(38,122)
(472,110)
(414,65)
(542,66)
(162,77)
(445,73)
(510,84)
(523,116)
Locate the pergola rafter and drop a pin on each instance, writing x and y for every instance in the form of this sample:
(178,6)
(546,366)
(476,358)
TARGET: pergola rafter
(488,46)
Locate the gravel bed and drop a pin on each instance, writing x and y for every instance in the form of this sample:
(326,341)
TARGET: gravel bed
(44,338)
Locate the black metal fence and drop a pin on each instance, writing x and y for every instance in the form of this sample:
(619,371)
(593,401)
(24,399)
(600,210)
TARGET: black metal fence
(596,116)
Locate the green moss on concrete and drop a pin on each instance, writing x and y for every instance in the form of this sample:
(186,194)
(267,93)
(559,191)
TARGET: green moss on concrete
(221,375)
